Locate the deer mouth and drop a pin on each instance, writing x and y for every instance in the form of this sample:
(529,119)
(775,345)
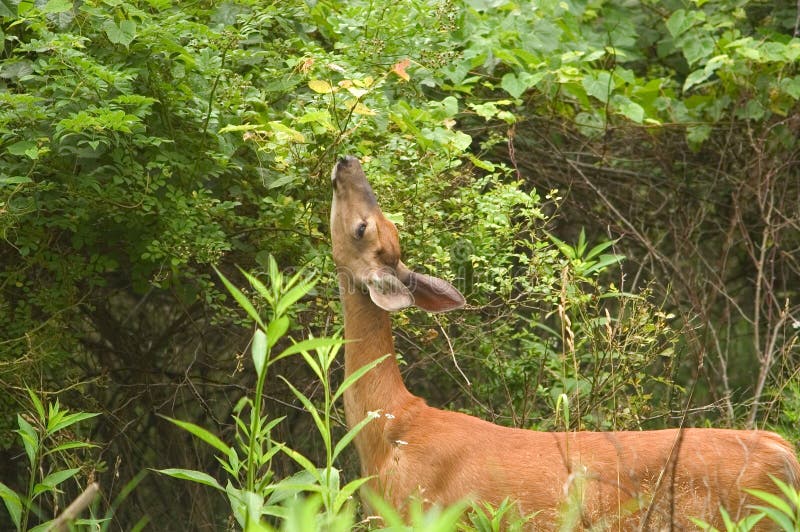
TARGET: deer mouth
(348,178)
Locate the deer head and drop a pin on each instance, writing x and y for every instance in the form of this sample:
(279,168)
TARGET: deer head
(366,249)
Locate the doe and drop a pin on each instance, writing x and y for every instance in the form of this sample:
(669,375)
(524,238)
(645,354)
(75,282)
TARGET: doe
(633,480)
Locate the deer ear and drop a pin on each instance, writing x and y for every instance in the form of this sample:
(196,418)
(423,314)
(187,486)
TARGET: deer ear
(430,293)
(388,292)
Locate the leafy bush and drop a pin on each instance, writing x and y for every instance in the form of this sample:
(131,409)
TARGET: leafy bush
(520,146)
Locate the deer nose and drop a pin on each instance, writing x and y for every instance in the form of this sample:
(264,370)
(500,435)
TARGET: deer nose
(345,160)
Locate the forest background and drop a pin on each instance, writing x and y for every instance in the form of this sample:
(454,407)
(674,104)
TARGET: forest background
(613,184)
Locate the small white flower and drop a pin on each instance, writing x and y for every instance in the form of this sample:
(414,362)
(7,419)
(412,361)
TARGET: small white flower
(796,324)
(389,416)
(400,442)
(373,415)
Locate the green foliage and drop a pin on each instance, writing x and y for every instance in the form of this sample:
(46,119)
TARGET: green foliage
(783,511)
(48,446)
(145,142)
(252,489)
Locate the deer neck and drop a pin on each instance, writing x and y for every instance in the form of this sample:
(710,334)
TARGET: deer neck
(368,335)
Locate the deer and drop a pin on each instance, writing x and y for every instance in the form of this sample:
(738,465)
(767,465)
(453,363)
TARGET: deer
(624,480)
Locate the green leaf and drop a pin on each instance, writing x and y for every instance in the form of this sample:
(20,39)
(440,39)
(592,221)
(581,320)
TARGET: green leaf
(69,446)
(791,86)
(241,299)
(599,86)
(199,432)
(324,431)
(513,85)
(771,499)
(480,163)
(52,480)
(303,462)
(291,486)
(292,296)
(631,110)
(122,33)
(26,148)
(14,180)
(259,351)
(276,329)
(352,433)
(37,405)
(308,345)
(681,21)
(347,491)
(677,23)
(12,502)
(599,248)
(68,420)
(698,48)
(191,475)
(30,439)
(57,6)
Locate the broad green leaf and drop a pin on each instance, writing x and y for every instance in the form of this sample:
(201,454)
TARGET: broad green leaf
(631,110)
(513,85)
(790,86)
(28,148)
(599,86)
(13,503)
(681,21)
(14,180)
(322,117)
(677,23)
(199,432)
(123,33)
(276,329)
(57,6)
(259,351)
(284,133)
(191,475)
(697,48)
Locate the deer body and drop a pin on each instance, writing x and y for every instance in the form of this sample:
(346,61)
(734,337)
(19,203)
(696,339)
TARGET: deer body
(633,480)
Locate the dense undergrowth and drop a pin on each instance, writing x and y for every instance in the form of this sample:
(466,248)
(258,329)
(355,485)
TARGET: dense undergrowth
(523,148)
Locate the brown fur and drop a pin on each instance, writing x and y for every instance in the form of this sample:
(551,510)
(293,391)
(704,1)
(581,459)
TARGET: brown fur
(646,480)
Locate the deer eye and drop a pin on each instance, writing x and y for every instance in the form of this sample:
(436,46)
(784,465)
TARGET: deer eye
(360,230)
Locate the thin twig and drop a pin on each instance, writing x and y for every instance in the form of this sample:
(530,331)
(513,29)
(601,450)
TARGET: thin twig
(61,523)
